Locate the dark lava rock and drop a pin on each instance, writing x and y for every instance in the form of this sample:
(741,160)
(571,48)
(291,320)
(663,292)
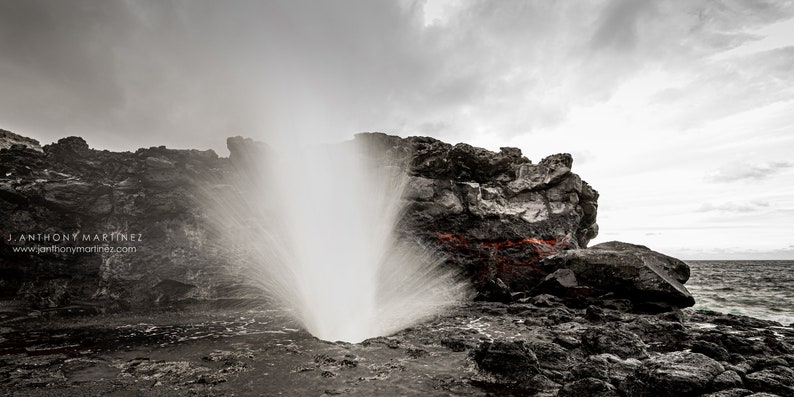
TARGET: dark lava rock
(595,366)
(46,294)
(613,339)
(673,374)
(151,198)
(712,350)
(650,280)
(660,335)
(759,363)
(736,344)
(561,282)
(588,387)
(567,341)
(495,290)
(171,290)
(554,361)
(522,361)
(494,214)
(598,314)
(551,356)
(727,380)
(545,300)
(505,361)
(456,344)
(736,392)
(607,367)
(744,322)
(9,139)
(778,380)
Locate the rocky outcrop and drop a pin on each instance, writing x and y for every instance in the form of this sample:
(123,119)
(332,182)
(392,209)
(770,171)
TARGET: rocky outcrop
(109,227)
(570,321)
(9,139)
(478,348)
(617,353)
(517,229)
(505,361)
(615,270)
(495,214)
(673,374)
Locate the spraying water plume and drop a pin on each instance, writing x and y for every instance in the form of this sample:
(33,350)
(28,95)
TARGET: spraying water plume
(321,222)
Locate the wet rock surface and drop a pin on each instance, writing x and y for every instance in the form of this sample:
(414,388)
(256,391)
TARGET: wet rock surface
(477,349)
(679,373)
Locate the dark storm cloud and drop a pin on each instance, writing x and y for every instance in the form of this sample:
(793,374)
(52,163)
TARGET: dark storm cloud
(108,70)
(49,60)
(190,73)
(748,171)
(617,28)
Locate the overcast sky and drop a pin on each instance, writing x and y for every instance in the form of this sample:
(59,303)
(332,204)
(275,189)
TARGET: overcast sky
(680,113)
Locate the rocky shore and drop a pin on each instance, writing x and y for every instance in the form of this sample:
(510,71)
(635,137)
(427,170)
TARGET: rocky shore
(540,347)
(552,316)
(494,215)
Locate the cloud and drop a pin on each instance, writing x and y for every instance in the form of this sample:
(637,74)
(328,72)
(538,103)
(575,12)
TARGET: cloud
(748,171)
(618,25)
(733,254)
(190,73)
(732,207)
(726,88)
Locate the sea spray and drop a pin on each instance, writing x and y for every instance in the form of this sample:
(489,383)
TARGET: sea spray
(321,223)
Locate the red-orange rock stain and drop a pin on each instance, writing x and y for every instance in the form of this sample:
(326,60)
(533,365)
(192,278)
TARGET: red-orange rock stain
(503,258)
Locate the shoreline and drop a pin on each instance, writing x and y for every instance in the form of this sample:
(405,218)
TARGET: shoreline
(207,350)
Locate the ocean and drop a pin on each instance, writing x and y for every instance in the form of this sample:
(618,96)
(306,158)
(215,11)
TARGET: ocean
(760,289)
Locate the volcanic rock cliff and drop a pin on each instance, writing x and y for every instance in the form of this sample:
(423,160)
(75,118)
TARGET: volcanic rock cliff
(515,227)
(144,200)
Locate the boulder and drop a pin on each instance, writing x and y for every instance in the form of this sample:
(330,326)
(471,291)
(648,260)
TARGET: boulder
(588,387)
(712,350)
(606,367)
(660,334)
(777,380)
(505,361)
(563,283)
(650,280)
(676,374)
(727,380)
(612,338)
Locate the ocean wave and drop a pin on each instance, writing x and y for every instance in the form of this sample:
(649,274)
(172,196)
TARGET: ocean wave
(760,289)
